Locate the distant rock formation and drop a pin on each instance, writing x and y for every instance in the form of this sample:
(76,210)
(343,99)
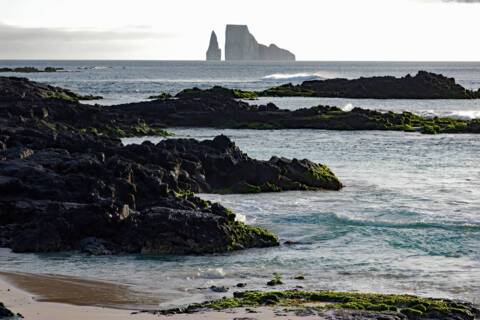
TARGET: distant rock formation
(240,44)
(214,52)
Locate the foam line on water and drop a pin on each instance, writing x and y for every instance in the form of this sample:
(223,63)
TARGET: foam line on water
(293,77)
(335,219)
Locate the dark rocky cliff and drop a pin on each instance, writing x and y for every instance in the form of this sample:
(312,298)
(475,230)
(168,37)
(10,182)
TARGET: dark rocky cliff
(240,44)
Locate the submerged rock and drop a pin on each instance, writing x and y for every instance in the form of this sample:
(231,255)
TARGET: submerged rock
(219,288)
(240,44)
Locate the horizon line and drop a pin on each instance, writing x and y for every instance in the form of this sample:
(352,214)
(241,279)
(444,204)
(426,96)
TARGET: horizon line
(237,61)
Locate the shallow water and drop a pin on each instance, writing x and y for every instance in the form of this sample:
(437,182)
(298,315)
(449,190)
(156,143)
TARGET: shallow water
(407,221)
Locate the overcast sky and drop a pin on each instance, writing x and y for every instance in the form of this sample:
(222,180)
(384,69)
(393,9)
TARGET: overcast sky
(180,29)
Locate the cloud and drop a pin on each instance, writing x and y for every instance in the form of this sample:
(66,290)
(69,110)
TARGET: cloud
(44,43)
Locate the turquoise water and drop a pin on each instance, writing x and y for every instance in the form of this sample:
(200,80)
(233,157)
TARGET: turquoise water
(407,221)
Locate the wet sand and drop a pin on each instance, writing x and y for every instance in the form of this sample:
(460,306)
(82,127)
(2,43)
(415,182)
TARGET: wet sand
(45,297)
(80,292)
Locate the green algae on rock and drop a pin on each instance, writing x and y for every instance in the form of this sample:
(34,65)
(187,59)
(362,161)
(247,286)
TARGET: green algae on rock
(246,95)
(276,280)
(405,306)
(219,108)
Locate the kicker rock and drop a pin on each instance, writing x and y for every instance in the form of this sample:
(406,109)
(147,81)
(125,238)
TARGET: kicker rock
(240,44)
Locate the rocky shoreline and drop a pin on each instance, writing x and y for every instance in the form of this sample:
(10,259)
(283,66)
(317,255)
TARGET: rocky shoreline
(340,305)
(223,108)
(424,85)
(67,182)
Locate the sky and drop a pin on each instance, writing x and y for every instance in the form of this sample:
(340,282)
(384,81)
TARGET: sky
(341,30)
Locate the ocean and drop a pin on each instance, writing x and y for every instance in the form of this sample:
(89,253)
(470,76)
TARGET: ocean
(407,221)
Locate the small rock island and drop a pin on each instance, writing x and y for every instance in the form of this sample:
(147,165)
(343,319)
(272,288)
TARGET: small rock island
(214,53)
(241,45)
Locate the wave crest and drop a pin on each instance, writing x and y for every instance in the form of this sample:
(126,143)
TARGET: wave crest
(339,220)
(458,114)
(293,77)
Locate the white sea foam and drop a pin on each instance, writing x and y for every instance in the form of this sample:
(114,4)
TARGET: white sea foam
(240,217)
(293,77)
(347,107)
(93,67)
(457,114)
(211,273)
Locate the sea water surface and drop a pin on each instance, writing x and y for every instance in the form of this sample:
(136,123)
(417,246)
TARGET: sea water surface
(130,81)
(407,221)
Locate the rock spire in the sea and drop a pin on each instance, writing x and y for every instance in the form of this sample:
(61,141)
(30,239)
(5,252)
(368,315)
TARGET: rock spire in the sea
(214,52)
(240,44)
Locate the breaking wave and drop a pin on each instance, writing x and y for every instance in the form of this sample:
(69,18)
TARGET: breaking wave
(459,114)
(293,77)
(348,107)
(339,220)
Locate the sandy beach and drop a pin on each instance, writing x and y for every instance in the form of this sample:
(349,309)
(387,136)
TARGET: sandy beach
(46,297)
(32,307)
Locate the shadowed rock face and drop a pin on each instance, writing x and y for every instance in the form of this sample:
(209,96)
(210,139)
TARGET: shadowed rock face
(74,191)
(240,44)
(214,53)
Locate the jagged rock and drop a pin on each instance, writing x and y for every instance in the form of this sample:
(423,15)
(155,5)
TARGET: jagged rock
(4,312)
(424,85)
(214,52)
(240,44)
(100,202)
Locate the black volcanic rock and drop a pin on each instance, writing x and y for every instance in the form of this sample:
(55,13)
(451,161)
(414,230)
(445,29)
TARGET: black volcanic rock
(214,53)
(72,191)
(21,89)
(63,187)
(4,312)
(219,166)
(240,44)
(30,69)
(219,107)
(424,85)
